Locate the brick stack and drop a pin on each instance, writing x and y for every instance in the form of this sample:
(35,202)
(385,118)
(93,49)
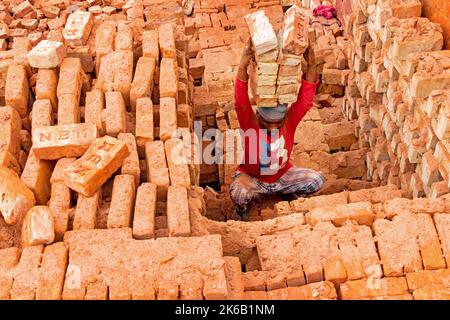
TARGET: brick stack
(397,88)
(264,74)
(76,128)
(293,43)
(275,77)
(333,241)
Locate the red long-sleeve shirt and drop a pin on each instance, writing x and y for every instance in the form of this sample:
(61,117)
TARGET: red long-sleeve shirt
(268,159)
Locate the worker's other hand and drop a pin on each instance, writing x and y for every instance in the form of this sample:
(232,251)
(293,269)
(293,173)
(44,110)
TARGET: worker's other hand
(247,57)
(247,53)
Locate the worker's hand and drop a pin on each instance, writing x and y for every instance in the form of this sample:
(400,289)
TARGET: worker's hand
(311,71)
(247,53)
(247,57)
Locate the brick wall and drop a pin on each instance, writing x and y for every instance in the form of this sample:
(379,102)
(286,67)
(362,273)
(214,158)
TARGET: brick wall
(438,11)
(435,10)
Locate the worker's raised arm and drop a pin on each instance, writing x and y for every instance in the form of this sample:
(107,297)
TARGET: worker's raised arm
(307,91)
(243,107)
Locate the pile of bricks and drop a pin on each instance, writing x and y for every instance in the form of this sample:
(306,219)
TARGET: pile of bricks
(368,244)
(398,89)
(264,73)
(83,135)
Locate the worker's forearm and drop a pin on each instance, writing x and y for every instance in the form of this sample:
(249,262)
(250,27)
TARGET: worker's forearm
(242,72)
(311,74)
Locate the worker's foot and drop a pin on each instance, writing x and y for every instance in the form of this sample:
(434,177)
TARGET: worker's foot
(242,212)
(287,197)
(296,196)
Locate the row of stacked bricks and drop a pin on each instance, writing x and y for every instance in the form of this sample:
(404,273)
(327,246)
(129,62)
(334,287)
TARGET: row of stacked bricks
(95,118)
(366,244)
(399,90)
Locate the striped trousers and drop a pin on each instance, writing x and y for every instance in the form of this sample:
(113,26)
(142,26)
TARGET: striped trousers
(300,181)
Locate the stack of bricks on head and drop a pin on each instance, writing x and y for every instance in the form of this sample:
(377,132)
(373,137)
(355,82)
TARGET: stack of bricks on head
(96,204)
(277,71)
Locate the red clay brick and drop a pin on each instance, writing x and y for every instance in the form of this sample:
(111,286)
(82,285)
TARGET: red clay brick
(19,198)
(144,124)
(131,163)
(104,41)
(255,295)
(442,223)
(97,290)
(119,78)
(10,125)
(142,85)
(407,244)
(122,202)
(142,286)
(178,212)
(86,211)
(46,84)
(8,260)
(87,174)
(168,78)
(144,212)
(307,204)
(167,41)
(41,114)
(78,28)
(361,212)
(150,44)
(334,270)
(158,172)
(70,78)
(38,227)
(115,114)
(191,287)
(124,37)
(36,176)
(95,104)
(233,274)
(63,141)
(52,272)
(366,288)
(16,89)
(177,163)
(26,274)
(167,118)
(316,291)
(432,293)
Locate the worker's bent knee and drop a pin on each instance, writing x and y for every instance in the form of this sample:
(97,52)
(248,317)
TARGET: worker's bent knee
(315,183)
(242,193)
(305,182)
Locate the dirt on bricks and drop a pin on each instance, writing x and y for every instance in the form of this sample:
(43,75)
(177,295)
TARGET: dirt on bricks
(100,196)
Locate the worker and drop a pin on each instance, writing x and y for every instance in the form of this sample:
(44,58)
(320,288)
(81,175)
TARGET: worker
(271,172)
